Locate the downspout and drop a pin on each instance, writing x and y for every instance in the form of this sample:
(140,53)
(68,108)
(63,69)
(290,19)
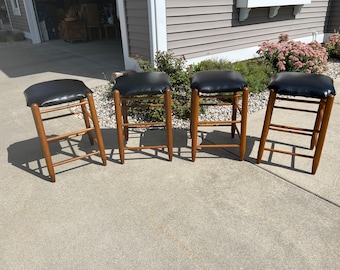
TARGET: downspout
(34,34)
(129,63)
(152,29)
(157,27)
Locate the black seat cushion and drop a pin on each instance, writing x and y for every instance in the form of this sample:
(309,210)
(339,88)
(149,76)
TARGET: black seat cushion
(56,92)
(142,83)
(302,84)
(215,81)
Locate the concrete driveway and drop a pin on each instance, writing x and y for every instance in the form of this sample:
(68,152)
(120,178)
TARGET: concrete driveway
(216,213)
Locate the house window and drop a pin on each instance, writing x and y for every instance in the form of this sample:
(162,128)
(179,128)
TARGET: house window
(15,7)
(246,5)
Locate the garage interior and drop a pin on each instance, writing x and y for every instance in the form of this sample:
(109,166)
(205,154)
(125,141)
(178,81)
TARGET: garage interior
(77,20)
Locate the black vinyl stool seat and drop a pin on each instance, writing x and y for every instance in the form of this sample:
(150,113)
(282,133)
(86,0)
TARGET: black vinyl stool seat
(132,88)
(225,87)
(300,88)
(59,96)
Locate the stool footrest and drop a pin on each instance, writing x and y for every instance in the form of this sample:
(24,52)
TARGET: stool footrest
(148,97)
(293,130)
(57,116)
(219,123)
(60,108)
(219,96)
(218,146)
(294,109)
(145,147)
(150,106)
(146,124)
(216,104)
(287,153)
(298,100)
(69,135)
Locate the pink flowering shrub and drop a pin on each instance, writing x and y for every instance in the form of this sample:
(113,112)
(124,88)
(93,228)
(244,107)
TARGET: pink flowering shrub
(290,55)
(333,46)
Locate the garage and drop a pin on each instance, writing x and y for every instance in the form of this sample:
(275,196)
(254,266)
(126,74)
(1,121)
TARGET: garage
(77,20)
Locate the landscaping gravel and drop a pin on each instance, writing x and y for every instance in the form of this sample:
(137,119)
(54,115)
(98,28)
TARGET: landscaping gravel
(257,101)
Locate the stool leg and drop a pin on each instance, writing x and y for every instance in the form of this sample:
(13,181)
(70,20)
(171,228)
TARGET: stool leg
(318,123)
(86,120)
(234,114)
(168,120)
(244,116)
(267,120)
(322,135)
(194,122)
(125,119)
(43,140)
(100,32)
(90,33)
(98,132)
(191,112)
(120,135)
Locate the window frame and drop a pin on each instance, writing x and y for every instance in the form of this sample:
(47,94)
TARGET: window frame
(16,7)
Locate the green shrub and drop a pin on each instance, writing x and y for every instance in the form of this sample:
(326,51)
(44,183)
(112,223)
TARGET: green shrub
(18,36)
(213,64)
(9,36)
(255,72)
(333,46)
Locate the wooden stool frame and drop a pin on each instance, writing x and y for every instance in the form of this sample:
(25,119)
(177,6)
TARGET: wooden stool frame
(196,103)
(90,28)
(317,134)
(88,114)
(123,104)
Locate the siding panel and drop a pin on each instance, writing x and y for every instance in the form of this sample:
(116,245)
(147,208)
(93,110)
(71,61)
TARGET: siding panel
(200,28)
(138,27)
(19,23)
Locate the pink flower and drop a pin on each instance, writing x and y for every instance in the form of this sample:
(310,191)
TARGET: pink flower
(281,56)
(298,64)
(281,66)
(300,56)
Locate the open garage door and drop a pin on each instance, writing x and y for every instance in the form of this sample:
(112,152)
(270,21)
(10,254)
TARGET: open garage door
(77,20)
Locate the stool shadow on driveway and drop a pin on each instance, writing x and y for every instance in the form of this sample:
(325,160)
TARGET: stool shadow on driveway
(110,143)
(279,160)
(223,137)
(153,137)
(27,155)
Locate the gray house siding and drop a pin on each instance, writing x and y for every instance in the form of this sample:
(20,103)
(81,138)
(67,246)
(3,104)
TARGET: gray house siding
(138,27)
(334,17)
(201,28)
(19,23)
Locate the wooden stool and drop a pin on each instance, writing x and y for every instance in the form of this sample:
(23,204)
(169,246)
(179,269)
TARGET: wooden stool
(56,93)
(310,88)
(215,85)
(108,27)
(90,28)
(135,87)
